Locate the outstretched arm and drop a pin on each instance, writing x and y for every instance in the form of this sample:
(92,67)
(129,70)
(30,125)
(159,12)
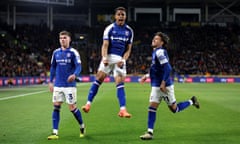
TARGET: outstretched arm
(144,78)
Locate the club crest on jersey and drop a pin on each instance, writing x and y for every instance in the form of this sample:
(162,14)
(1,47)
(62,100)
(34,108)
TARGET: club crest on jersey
(126,33)
(68,55)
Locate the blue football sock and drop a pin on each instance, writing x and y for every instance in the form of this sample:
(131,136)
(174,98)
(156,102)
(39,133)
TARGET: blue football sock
(151,117)
(121,94)
(56,116)
(93,90)
(182,105)
(77,115)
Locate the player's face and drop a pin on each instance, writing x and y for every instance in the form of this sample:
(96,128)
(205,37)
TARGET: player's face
(120,17)
(64,41)
(157,42)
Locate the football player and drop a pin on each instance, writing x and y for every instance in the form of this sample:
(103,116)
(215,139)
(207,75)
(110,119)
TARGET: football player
(116,48)
(65,66)
(162,84)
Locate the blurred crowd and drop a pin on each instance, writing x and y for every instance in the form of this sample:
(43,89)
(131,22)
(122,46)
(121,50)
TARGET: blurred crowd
(199,50)
(207,50)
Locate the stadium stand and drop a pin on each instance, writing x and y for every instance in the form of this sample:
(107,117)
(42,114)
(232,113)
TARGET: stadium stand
(199,50)
(194,50)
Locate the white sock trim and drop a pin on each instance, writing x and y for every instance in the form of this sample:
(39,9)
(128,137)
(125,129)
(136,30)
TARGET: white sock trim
(191,102)
(150,130)
(55,131)
(88,102)
(122,108)
(82,126)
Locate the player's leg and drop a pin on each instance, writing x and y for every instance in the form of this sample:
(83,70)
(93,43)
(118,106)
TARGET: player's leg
(152,109)
(78,116)
(71,100)
(155,100)
(55,120)
(101,75)
(119,77)
(57,99)
(177,107)
(121,97)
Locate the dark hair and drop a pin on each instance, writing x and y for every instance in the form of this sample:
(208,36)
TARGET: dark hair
(119,8)
(64,32)
(164,38)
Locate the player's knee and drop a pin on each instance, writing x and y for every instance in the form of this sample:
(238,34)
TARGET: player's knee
(154,104)
(72,107)
(101,77)
(119,79)
(173,108)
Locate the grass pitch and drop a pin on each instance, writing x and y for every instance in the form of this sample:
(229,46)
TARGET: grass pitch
(25,116)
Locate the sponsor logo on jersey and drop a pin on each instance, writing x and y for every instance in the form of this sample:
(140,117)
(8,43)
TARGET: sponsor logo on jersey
(119,38)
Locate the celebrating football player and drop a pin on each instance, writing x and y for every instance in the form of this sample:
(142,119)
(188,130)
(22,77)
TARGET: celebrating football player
(116,48)
(161,83)
(65,66)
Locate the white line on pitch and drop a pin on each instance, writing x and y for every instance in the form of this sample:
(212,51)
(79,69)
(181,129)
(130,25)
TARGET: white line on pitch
(22,95)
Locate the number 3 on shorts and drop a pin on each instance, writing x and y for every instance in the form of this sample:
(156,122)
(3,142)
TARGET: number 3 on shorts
(70,97)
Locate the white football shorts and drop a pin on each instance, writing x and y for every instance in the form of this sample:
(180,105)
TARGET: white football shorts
(68,94)
(112,66)
(157,95)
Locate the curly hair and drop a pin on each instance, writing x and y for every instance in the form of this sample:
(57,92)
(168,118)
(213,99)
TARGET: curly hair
(164,38)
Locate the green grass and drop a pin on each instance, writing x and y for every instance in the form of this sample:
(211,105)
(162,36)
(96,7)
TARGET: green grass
(27,119)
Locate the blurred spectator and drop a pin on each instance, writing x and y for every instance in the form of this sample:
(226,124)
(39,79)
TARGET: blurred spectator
(210,50)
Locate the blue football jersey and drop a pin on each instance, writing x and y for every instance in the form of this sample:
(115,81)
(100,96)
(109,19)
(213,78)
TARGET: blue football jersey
(119,37)
(63,64)
(160,68)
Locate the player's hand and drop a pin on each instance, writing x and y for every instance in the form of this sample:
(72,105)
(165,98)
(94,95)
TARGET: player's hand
(71,78)
(105,61)
(50,85)
(143,79)
(121,63)
(163,87)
